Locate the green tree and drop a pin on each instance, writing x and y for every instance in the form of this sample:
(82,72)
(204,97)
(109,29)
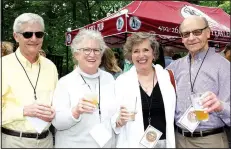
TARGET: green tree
(225,5)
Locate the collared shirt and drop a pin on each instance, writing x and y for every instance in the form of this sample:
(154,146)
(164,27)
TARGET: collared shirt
(17,91)
(213,76)
(168,60)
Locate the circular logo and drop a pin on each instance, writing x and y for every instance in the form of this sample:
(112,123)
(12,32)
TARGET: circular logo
(68,38)
(119,23)
(192,116)
(151,136)
(134,23)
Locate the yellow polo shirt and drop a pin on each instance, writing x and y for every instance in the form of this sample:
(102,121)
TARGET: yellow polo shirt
(17,91)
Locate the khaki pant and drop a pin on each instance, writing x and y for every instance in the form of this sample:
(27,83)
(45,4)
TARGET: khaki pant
(212,141)
(228,131)
(9,141)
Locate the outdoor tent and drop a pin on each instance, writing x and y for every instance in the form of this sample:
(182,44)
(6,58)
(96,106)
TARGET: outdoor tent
(159,17)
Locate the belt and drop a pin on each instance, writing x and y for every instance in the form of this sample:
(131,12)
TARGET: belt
(24,134)
(201,133)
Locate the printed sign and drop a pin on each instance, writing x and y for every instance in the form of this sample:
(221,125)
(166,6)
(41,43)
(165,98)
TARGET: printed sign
(119,23)
(134,23)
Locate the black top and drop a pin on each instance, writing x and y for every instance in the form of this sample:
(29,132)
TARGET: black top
(157,112)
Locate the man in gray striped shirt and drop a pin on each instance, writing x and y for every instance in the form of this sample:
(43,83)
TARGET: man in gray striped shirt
(202,70)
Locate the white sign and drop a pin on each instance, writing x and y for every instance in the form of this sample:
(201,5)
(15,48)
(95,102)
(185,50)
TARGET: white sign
(119,23)
(135,23)
(68,38)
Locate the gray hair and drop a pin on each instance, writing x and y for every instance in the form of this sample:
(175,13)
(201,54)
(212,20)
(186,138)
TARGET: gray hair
(139,37)
(27,18)
(87,34)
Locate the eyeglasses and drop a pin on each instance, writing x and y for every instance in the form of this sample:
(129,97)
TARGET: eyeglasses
(87,51)
(196,32)
(28,35)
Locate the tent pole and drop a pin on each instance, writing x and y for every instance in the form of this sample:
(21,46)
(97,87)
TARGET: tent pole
(67,58)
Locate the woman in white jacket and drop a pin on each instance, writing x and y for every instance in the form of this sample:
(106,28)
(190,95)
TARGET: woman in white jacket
(79,122)
(148,88)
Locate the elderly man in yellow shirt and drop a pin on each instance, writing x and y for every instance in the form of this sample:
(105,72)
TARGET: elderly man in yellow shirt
(28,81)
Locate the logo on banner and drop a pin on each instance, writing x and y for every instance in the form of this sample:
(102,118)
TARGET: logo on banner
(134,23)
(187,11)
(68,38)
(119,23)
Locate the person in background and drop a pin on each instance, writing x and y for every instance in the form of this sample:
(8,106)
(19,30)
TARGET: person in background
(7,48)
(168,53)
(127,62)
(84,99)
(227,52)
(28,81)
(202,70)
(148,89)
(117,57)
(176,56)
(109,63)
(42,53)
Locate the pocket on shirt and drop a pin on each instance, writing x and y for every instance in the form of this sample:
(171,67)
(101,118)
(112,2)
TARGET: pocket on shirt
(208,85)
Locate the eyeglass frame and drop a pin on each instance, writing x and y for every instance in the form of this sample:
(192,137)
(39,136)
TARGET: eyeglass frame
(92,49)
(33,33)
(193,32)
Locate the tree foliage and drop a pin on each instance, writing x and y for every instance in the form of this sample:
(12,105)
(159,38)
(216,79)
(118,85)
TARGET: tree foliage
(225,5)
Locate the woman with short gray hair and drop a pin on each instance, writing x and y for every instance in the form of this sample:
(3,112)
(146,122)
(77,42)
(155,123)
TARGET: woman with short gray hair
(84,99)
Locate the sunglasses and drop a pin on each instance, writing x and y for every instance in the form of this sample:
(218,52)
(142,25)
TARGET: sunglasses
(196,32)
(28,35)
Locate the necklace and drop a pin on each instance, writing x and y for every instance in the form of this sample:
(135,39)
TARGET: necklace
(149,86)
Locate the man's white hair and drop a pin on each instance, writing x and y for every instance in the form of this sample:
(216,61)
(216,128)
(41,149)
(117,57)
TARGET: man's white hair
(27,18)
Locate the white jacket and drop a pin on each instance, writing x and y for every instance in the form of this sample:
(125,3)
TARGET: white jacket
(126,85)
(74,133)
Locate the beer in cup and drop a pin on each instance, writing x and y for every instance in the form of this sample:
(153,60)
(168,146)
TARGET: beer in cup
(132,115)
(92,97)
(131,107)
(196,99)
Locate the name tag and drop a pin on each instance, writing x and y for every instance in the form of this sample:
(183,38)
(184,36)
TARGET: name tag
(151,137)
(100,134)
(188,120)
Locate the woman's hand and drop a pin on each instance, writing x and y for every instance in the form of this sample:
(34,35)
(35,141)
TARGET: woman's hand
(123,118)
(84,106)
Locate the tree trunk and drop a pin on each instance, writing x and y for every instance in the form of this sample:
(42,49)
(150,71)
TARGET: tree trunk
(73,10)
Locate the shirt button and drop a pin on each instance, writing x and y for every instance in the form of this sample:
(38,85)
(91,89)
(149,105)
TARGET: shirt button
(188,82)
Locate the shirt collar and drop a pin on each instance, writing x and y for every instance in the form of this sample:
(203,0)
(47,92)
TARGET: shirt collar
(96,75)
(23,59)
(198,56)
(167,57)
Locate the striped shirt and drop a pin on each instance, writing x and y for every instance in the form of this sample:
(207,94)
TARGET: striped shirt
(213,76)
